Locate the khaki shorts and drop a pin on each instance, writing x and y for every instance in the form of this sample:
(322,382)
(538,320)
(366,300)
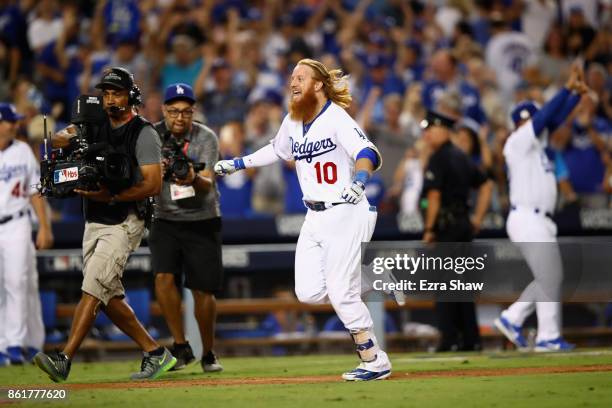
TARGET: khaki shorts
(105,252)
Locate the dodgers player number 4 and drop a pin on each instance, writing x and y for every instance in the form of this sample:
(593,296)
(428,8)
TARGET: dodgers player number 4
(334,160)
(21,327)
(533,196)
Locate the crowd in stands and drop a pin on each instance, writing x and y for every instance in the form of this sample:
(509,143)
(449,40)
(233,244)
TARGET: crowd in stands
(471,59)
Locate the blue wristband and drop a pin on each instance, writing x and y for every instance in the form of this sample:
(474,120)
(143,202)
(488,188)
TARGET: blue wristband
(239,164)
(362,176)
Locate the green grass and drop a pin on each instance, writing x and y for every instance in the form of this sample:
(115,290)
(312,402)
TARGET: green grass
(533,390)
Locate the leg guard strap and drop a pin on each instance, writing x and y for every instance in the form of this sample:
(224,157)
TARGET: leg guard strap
(367,346)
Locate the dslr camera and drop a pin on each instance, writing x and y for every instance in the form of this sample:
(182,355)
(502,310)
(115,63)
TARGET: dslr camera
(174,154)
(89,160)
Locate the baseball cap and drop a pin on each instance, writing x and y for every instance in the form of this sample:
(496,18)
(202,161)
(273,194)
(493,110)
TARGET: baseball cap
(576,9)
(8,113)
(219,63)
(377,39)
(116,77)
(523,111)
(376,61)
(415,45)
(268,95)
(470,124)
(434,118)
(179,91)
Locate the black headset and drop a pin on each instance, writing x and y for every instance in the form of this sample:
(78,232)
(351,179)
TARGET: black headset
(134,94)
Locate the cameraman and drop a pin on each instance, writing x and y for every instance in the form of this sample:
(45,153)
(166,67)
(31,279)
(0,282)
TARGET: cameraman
(113,229)
(186,231)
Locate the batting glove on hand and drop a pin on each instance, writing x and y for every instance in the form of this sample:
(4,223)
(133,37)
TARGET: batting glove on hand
(224,167)
(354,193)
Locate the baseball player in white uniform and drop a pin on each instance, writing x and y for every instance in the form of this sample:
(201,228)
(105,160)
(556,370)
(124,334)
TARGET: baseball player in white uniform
(334,160)
(533,196)
(20,314)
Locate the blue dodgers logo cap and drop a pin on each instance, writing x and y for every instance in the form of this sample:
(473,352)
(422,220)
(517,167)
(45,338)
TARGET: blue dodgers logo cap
(8,113)
(522,111)
(179,91)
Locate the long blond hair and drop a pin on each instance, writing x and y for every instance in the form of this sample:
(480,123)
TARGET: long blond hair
(335,84)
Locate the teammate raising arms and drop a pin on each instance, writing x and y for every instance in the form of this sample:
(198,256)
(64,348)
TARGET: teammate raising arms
(334,159)
(533,196)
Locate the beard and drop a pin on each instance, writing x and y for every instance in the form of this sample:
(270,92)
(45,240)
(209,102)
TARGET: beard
(305,107)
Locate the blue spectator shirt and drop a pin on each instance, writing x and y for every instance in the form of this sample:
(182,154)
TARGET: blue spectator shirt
(586,170)
(122,20)
(235,195)
(470,98)
(293,192)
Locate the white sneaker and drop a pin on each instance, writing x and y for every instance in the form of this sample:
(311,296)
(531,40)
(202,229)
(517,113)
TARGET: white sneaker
(362,374)
(210,363)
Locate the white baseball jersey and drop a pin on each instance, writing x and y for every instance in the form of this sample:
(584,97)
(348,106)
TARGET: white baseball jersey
(324,152)
(20,310)
(19,175)
(531,174)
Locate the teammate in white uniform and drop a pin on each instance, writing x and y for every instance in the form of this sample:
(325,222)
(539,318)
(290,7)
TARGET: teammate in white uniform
(20,314)
(334,159)
(533,195)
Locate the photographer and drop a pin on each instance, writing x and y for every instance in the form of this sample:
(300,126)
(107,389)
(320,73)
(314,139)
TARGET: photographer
(113,229)
(186,232)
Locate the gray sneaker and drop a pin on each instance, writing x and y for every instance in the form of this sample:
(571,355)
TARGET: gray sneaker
(153,367)
(210,364)
(55,364)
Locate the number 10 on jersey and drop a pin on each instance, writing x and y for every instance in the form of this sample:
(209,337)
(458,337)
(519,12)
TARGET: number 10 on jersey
(327,172)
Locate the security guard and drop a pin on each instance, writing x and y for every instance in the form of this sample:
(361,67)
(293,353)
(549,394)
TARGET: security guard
(449,177)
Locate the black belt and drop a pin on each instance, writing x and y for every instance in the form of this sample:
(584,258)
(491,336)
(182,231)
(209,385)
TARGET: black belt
(535,210)
(8,218)
(319,205)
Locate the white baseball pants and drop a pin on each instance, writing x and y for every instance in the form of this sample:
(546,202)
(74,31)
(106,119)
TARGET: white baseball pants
(16,253)
(328,259)
(535,235)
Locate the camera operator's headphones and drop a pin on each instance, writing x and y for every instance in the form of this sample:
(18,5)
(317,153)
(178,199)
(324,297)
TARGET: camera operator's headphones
(122,78)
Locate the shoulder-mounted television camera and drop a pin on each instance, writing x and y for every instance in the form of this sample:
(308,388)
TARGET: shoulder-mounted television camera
(174,153)
(89,160)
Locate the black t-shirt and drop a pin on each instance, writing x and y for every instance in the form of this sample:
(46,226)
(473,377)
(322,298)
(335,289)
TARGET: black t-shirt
(451,172)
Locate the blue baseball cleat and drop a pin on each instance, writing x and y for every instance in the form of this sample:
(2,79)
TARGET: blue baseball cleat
(512,332)
(15,354)
(361,374)
(558,344)
(4,360)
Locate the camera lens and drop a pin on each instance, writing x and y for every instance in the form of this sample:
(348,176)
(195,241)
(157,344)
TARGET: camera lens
(180,168)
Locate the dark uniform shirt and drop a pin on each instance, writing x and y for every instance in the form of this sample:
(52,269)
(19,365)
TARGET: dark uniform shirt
(451,172)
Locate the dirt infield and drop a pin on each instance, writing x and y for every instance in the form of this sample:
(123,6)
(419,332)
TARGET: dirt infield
(401,375)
